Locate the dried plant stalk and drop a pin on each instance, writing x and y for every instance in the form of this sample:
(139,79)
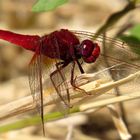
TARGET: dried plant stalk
(94,87)
(112,100)
(119,123)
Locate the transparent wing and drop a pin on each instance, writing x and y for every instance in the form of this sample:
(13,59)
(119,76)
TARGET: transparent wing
(58,75)
(113,49)
(114,52)
(55,84)
(36,86)
(48,77)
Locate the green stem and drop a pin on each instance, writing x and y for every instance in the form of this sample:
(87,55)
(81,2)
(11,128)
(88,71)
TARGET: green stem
(35,120)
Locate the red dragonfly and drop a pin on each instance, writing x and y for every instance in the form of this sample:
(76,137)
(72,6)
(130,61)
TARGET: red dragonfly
(68,47)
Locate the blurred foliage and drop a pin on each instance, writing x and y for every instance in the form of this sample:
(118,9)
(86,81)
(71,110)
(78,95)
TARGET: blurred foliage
(116,16)
(135,31)
(137,1)
(47,5)
(133,39)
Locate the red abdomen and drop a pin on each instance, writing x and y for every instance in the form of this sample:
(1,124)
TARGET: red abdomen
(57,44)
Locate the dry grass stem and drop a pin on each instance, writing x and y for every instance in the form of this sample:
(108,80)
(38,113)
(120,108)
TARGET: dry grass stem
(112,100)
(119,123)
(94,87)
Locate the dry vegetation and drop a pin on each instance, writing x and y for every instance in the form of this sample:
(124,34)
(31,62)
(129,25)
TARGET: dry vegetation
(100,116)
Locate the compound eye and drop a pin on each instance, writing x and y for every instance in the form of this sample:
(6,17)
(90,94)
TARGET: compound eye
(89,51)
(87,47)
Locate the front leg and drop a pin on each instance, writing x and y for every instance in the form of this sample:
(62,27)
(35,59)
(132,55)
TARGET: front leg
(73,80)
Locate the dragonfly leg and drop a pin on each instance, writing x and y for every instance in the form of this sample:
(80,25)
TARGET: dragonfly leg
(72,70)
(62,76)
(58,70)
(73,80)
(80,67)
(72,52)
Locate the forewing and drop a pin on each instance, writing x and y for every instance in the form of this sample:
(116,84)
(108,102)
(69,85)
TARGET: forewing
(114,52)
(113,49)
(36,85)
(55,83)
(58,75)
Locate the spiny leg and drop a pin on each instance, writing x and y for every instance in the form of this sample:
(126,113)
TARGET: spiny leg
(62,76)
(63,64)
(73,80)
(80,67)
(51,75)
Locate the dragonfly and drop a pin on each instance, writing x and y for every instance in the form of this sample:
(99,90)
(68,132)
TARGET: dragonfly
(66,47)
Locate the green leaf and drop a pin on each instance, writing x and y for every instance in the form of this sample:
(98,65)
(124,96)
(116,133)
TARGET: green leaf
(133,42)
(135,31)
(133,39)
(47,5)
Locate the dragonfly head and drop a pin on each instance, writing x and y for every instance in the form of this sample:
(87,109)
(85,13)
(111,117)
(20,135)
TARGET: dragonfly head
(89,51)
